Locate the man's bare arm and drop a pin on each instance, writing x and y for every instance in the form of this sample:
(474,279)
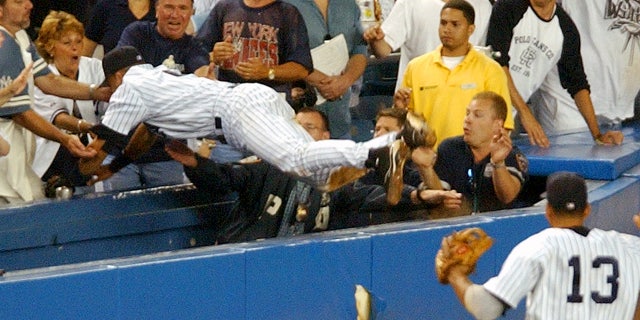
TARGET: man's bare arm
(537,137)
(139,144)
(374,36)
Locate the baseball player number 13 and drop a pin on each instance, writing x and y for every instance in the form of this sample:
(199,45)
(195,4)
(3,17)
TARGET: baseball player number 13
(576,297)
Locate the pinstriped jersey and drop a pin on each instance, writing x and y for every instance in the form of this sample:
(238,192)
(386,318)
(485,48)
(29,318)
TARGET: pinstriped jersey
(572,274)
(186,106)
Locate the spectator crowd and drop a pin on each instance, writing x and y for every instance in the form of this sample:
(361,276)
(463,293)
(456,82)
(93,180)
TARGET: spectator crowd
(472,75)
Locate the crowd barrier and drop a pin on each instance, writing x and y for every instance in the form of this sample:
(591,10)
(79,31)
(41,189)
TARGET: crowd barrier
(147,255)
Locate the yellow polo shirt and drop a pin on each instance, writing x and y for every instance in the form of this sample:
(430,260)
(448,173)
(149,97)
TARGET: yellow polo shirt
(442,95)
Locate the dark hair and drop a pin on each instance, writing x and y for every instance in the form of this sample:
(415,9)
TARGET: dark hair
(567,192)
(397,113)
(464,6)
(325,119)
(498,104)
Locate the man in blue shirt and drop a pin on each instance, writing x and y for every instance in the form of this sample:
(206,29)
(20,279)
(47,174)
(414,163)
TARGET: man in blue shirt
(159,40)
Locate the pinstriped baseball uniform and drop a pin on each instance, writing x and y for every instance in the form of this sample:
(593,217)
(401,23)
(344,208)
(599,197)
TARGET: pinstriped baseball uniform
(572,274)
(254,117)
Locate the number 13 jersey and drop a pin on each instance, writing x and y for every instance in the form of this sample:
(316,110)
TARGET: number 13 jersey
(572,273)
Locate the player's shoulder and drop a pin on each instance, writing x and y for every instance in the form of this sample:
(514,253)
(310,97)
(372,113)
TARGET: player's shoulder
(629,240)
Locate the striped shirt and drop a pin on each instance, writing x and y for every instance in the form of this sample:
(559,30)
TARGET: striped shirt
(253,117)
(572,274)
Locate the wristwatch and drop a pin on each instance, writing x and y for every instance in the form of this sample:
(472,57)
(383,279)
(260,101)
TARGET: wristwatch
(272,73)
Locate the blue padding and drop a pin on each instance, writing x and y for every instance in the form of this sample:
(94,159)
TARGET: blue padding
(613,205)
(577,152)
(82,294)
(100,226)
(633,172)
(201,287)
(404,277)
(312,278)
(103,248)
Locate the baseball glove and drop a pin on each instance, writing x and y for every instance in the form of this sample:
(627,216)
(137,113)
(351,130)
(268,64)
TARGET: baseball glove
(461,248)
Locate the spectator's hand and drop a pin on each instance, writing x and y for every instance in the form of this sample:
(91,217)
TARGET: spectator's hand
(611,137)
(73,144)
(181,153)
(424,157)
(500,146)
(401,98)
(103,173)
(537,137)
(252,69)
(20,82)
(297,93)
(374,33)
(636,220)
(450,199)
(333,87)
(223,50)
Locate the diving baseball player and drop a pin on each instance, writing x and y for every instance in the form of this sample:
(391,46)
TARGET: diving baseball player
(566,271)
(250,116)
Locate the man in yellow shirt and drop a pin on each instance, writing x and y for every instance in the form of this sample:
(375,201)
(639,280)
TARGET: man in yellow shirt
(440,84)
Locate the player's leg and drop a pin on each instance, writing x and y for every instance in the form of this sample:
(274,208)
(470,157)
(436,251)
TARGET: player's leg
(266,126)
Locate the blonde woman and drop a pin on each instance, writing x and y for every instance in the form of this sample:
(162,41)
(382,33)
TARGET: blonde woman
(60,43)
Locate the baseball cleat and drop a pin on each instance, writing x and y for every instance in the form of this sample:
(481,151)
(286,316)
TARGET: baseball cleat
(394,182)
(416,132)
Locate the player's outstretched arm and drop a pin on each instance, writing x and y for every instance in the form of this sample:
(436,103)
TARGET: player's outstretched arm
(636,220)
(478,301)
(139,144)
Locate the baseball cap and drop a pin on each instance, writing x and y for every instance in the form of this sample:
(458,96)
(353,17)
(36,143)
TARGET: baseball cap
(567,191)
(119,58)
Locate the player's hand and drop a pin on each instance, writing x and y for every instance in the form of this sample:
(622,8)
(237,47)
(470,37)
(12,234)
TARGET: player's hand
(103,173)
(611,137)
(223,50)
(537,137)
(424,157)
(500,146)
(373,34)
(20,82)
(333,87)
(180,152)
(401,98)
(103,94)
(636,220)
(73,144)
